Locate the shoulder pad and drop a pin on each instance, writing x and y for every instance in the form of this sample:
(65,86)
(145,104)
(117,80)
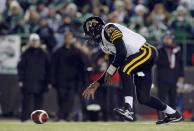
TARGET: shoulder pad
(112,33)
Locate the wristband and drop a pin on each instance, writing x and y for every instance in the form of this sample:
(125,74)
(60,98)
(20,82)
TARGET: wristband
(111,70)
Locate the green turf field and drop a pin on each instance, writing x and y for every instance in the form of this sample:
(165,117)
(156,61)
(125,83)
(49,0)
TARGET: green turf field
(95,126)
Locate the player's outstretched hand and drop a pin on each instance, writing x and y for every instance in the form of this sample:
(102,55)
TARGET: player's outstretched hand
(90,90)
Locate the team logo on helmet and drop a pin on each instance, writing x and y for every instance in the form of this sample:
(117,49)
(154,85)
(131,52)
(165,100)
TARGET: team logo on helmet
(91,23)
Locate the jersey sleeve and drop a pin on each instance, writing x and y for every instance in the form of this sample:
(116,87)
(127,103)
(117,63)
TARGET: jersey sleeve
(115,36)
(112,33)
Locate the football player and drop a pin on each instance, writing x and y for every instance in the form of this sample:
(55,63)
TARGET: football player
(133,58)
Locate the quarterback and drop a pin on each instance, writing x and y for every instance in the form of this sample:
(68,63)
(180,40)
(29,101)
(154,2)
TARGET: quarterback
(133,57)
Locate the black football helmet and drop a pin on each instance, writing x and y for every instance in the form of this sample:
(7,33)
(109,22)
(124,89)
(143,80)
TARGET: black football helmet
(93,27)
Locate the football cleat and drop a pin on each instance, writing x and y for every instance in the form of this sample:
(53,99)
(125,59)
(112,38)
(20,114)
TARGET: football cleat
(171,118)
(126,112)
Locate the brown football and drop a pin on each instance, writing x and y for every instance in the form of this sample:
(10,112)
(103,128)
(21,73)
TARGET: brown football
(39,116)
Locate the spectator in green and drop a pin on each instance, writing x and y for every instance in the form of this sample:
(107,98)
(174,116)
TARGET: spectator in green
(54,19)
(137,22)
(6,10)
(15,13)
(159,12)
(181,23)
(157,30)
(32,20)
(119,6)
(19,28)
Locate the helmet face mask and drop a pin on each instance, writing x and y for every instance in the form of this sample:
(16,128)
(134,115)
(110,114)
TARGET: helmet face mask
(93,27)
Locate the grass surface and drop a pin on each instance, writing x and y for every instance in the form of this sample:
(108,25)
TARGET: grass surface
(95,126)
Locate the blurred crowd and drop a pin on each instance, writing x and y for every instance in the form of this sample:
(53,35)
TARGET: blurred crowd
(49,18)
(57,24)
